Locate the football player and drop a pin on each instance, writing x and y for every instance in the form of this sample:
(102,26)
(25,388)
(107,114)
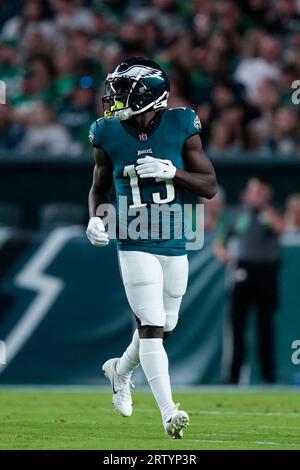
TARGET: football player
(150,154)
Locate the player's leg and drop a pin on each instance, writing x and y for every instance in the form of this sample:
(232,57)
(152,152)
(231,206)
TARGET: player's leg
(154,361)
(130,264)
(140,281)
(130,359)
(175,270)
(143,279)
(155,364)
(119,371)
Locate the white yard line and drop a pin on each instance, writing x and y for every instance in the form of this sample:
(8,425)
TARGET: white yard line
(248,413)
(226,441)
(138,409)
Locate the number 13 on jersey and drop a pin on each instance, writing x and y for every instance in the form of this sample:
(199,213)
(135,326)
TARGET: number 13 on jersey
(130,172)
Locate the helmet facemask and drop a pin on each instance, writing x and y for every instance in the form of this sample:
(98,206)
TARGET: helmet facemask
(116,97)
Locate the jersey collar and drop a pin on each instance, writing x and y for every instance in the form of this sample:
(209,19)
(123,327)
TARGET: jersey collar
(143,133)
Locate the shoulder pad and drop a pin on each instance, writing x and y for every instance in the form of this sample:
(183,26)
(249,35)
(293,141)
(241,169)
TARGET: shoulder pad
(95,132)
(193,122)
(190,120)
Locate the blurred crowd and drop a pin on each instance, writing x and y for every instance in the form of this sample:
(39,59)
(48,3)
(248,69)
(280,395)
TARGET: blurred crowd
(234,62)
(217,207)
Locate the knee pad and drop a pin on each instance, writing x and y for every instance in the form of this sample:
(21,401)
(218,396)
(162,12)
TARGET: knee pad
(152,315)
(171,322)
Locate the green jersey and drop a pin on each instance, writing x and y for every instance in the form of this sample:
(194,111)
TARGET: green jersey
(162,200)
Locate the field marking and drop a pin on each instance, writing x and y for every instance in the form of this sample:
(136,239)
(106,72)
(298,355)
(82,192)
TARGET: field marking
(270,443)
(139,409)
(248,413)
(222,413)
(287,426)
(226,441)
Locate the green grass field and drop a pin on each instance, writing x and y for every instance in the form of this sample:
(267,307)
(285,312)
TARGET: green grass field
(86,420)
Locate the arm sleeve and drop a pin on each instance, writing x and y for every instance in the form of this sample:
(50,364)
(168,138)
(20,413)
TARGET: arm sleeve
(194,126)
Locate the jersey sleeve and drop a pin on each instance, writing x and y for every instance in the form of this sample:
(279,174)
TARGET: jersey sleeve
(95,133)
(193,123)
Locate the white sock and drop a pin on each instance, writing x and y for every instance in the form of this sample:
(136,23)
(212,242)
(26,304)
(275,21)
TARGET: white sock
(131,358)
(154,361)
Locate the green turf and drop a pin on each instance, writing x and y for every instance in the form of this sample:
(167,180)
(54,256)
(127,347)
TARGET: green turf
(86,420)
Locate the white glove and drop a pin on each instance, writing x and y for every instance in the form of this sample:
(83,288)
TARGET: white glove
(96,232)
(149,167)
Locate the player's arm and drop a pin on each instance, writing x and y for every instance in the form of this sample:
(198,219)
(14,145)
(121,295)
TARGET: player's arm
(99,192)
(199,175)
(102,181)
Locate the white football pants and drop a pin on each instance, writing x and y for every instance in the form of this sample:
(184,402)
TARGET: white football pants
(154,286)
